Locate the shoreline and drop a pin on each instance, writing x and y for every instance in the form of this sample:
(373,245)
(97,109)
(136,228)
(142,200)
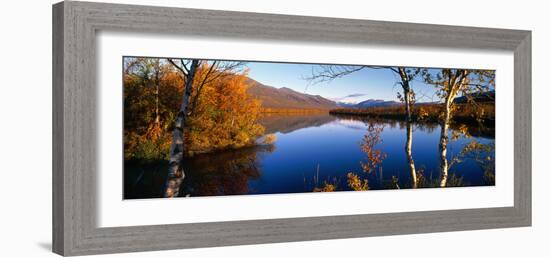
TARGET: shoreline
(427,113)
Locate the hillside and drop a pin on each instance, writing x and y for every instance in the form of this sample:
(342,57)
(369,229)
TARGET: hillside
(286,98)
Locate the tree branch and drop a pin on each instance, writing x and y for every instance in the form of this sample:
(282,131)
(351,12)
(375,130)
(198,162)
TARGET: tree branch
(182,70)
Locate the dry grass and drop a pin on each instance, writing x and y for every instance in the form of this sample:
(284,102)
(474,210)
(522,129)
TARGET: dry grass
(464,113)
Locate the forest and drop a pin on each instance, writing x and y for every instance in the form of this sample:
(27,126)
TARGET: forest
(192,127)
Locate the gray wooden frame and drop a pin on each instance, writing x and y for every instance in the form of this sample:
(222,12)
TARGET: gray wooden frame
(74,129)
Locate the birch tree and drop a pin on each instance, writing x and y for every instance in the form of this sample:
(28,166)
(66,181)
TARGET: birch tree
(450,83)
(175,173)
(189,70)
(157,76)
(406,75)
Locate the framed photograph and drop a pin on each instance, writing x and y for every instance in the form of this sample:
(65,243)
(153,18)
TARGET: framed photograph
(183,128)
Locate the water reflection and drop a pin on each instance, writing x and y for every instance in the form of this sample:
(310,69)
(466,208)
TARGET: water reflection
(474,130)
(224,173)
(312,149)
(286,123)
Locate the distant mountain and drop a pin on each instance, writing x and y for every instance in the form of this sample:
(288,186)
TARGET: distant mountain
(483,97)
(346,105)
(286,98)
(376,103)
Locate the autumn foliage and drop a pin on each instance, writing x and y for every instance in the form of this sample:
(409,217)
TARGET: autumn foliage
(374,155)
(225,117)
(356,183)
(221,113)
(464,113)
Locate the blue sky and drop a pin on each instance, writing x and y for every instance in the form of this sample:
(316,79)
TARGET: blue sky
(364,84)
(353,88)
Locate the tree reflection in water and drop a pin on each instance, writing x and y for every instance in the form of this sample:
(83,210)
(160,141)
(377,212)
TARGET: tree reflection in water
(481,154)
(326,166)
(218,173)
(223,173)
(474,130)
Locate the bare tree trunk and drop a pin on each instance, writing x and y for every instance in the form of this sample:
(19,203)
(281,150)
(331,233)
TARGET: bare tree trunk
(408,145)
(157,114)
(443,140)
(157,92)
(175,172)
(451,83)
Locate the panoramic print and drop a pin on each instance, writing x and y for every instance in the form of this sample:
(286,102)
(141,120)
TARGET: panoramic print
(196,127)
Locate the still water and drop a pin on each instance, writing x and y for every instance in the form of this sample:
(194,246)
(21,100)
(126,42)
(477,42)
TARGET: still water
(309,151)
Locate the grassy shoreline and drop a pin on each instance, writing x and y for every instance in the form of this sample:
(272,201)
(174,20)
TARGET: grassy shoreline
(482,113)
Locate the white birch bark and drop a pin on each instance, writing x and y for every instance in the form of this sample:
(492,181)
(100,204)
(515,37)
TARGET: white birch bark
(175,172)
(408,145)
(455,83)
(443,140)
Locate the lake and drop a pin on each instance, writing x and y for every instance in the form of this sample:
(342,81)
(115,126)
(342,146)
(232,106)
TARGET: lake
(311,150)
